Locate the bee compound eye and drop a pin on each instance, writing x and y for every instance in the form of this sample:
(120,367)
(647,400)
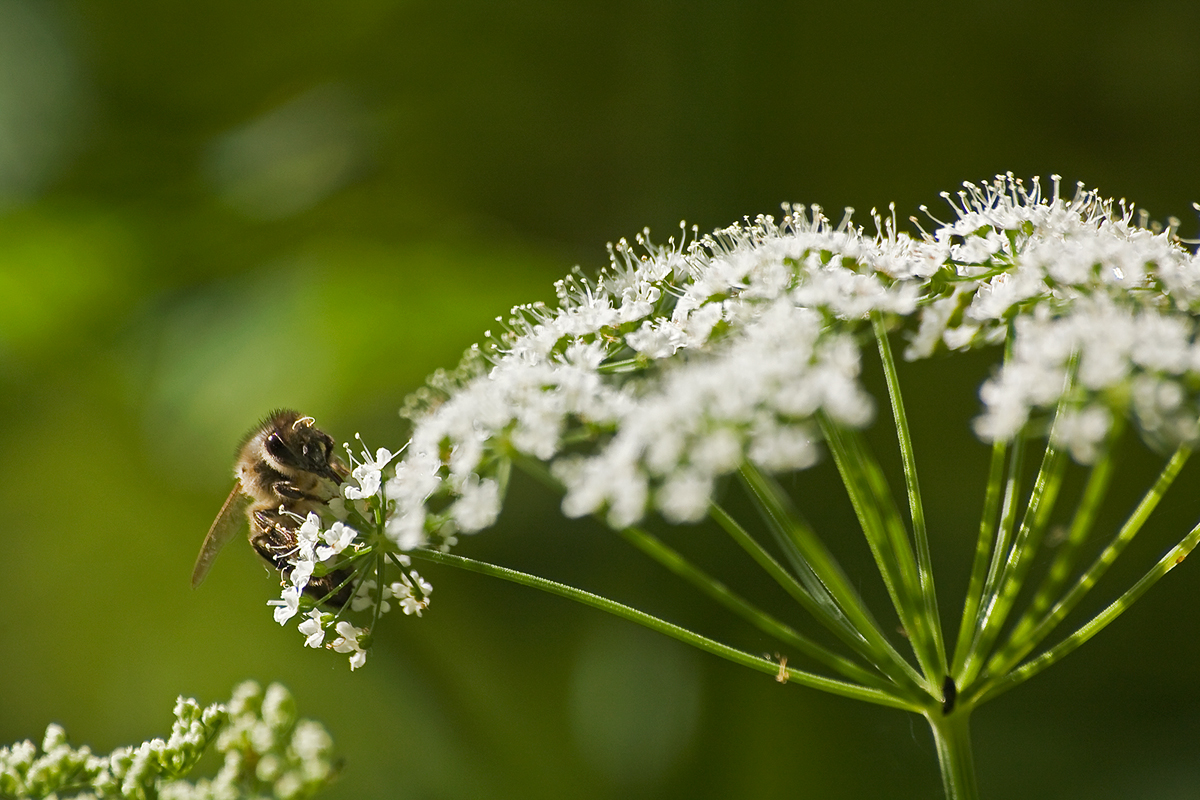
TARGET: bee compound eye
(275,446)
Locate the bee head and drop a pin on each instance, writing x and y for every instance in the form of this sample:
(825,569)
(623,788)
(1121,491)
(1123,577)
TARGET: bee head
(296,445)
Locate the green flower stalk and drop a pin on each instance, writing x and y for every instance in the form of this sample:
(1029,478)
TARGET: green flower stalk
(267,753)
(736,358)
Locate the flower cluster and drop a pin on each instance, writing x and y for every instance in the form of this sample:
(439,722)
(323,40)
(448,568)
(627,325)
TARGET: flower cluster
(645,386)
(1099,313)
(336,547)
(267,753)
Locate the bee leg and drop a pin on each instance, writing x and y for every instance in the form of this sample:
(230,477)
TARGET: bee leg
(292,492)
(274,537)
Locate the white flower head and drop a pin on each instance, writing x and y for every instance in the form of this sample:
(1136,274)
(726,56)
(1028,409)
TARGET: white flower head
(288,604)
(368,473)
(478,504)
(337,538)
(313,629)
(348,642)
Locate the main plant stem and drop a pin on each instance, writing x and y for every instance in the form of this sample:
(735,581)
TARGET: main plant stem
(952,735)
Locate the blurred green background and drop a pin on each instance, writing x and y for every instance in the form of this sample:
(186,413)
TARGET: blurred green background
(211,209)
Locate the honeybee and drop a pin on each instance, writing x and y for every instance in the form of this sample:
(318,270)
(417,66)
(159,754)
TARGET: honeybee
(285,466)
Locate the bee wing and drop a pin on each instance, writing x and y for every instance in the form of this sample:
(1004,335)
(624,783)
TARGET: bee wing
(223,529)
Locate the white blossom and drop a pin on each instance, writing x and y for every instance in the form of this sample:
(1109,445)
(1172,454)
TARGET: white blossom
(643,388)
(478,504)
(407,529)
(412,591)
(1082,431)
(308,533)
(337,538)
(347,642)
(313,629)
(368,474)
(288,604)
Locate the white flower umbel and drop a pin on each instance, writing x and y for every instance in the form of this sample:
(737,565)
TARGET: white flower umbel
(248,731)
(1095,303)
(640,390)
(663,375)
(644,387)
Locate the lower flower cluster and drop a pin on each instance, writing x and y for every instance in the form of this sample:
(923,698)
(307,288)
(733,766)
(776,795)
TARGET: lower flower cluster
(266,750)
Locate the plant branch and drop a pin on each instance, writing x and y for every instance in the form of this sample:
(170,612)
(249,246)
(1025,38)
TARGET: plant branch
(765,665)
(818,603)
(654,547)
(994,613)
(983,548)
(1005,661)
(915,505)
(1173,558)
(885,534)
(777,509)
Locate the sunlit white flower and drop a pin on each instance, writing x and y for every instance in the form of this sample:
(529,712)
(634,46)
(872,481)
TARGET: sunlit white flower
(407,529)
(412,591)
(415,479)
(1082,431)
(642,390)
(764,335)
(312,629)
(302,570)
(348,642)
(309,532)
(478,504)
(337,538)
(368,475)
(288,604)
(684,497)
